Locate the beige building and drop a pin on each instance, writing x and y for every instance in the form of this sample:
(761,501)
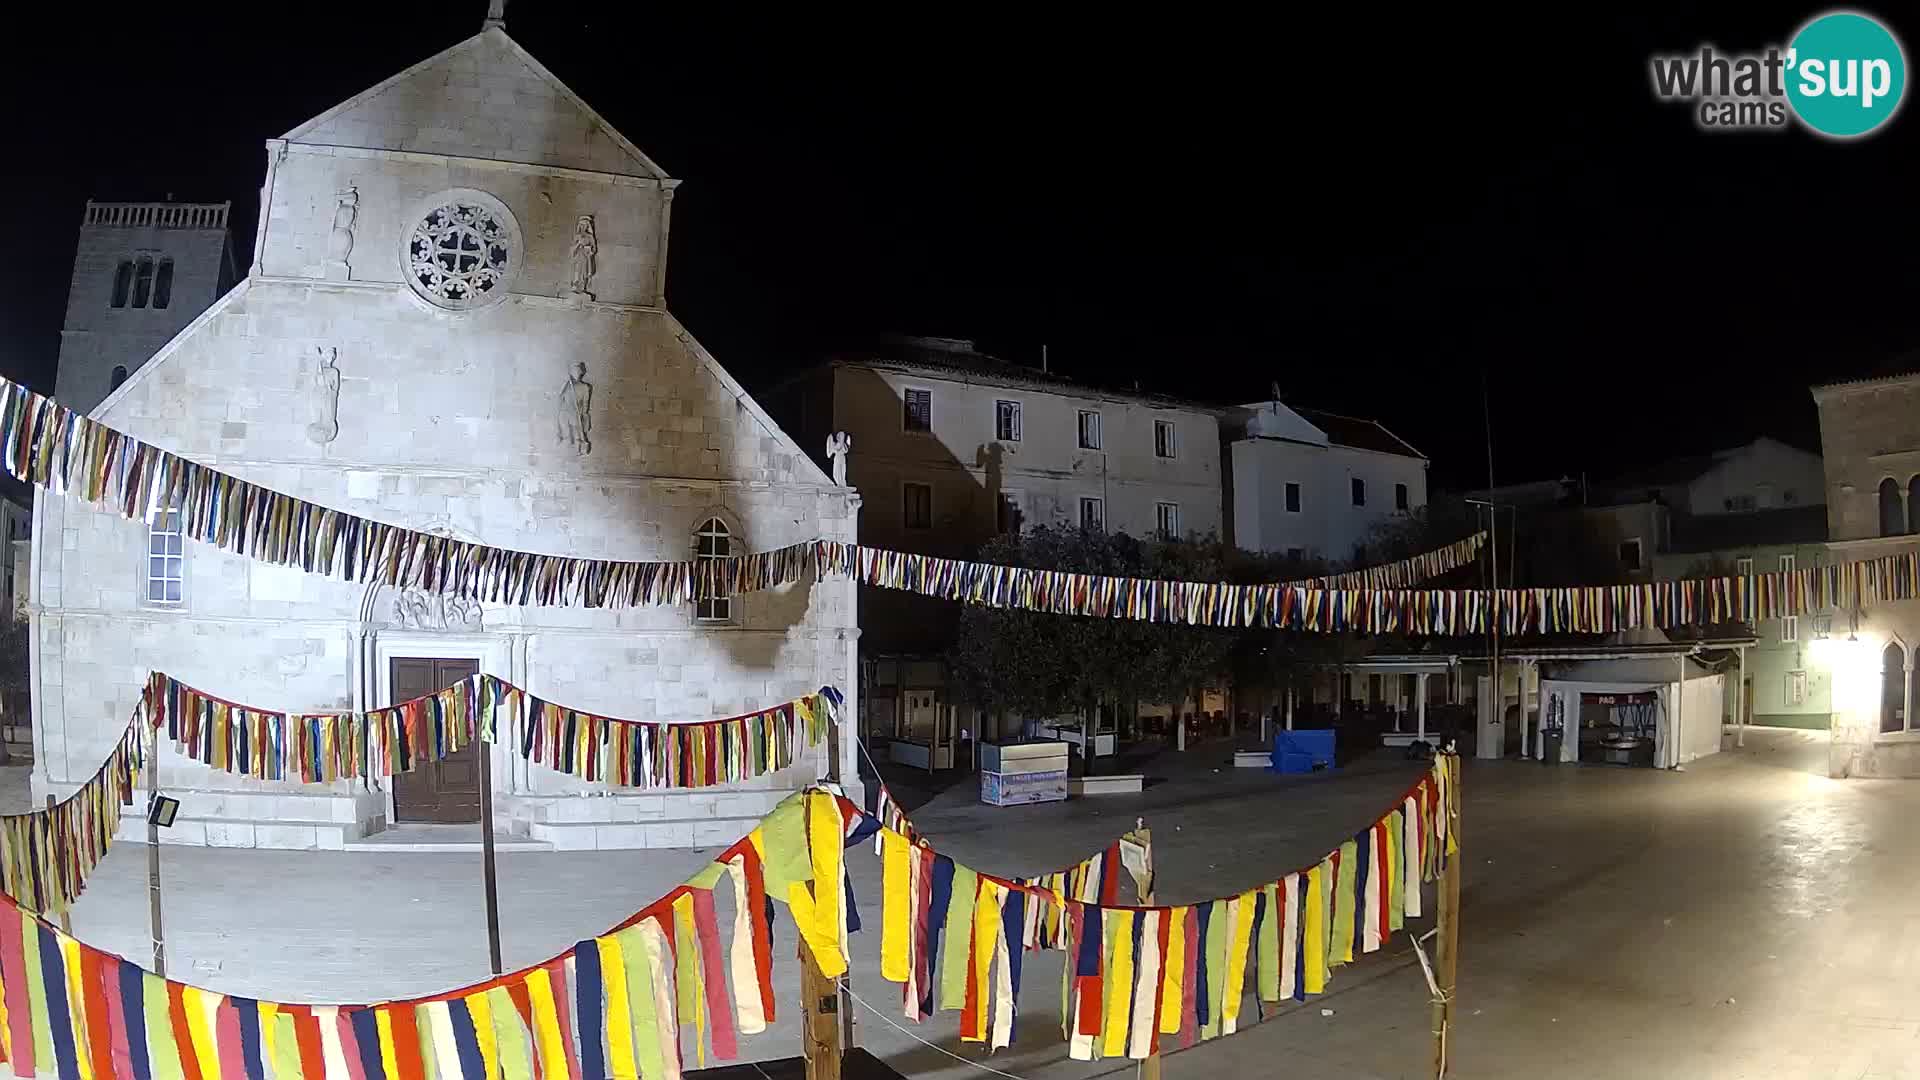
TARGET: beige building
(455,320)
(952,446)
(1870,431)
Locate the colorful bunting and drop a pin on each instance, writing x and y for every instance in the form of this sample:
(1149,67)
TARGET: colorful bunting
(622,1004)
(46,855)
(375,745)
(1135,974)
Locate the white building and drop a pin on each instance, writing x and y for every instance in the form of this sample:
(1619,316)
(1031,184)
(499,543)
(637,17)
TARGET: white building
(1310,483)
(437,258)
(1870,436)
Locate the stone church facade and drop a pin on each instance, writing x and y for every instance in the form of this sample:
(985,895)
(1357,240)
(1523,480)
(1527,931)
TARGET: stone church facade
(455,321)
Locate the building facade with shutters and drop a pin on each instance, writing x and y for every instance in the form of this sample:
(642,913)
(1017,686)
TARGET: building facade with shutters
(952,446)
(455,320)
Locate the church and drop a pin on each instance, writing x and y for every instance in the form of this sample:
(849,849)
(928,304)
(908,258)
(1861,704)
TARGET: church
(454,320)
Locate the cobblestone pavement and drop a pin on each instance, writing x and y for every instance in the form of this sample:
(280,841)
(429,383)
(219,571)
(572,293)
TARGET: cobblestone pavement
(1745,918)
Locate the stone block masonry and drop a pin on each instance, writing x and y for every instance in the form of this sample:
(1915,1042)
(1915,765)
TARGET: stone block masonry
(364,367)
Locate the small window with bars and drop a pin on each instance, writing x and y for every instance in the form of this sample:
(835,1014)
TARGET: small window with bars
(1166,520)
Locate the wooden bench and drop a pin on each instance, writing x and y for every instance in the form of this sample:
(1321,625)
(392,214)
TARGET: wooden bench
(1118,784)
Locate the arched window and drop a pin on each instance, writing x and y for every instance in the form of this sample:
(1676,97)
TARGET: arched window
(119,376)
(122,282)
(142,281)
(1893,515)
(1893,687)
(1913,505)
(163,284)
(712,540)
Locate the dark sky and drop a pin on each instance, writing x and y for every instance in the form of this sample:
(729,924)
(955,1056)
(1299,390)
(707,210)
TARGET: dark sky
(1377,210)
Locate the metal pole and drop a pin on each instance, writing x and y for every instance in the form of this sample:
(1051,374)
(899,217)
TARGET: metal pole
(1499,691)
(154,925)
(1447,927)
(1679,713)
(842,1002)
(1740,703)
(59,860)
(486,855)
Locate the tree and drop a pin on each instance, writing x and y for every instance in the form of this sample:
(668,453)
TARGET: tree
(1050,665)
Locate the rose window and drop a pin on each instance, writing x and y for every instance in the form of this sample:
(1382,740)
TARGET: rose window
(461,254)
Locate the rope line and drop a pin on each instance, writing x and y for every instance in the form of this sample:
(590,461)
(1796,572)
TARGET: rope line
(888,1020)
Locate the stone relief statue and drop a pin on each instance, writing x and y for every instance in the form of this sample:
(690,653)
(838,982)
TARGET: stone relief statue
(839,445)
(340,241)
(325,401)
(417,610)
(576,412)
(580,258)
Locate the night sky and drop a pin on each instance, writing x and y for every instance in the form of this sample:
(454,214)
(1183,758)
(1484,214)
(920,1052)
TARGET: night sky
(1377,210)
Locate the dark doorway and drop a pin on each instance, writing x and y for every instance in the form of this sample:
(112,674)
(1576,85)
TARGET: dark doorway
(445,791)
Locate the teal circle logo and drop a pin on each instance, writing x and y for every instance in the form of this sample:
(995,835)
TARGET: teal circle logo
(1846,74)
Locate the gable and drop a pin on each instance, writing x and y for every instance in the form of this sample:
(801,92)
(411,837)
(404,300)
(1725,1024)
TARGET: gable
(483,98)
(1273,420)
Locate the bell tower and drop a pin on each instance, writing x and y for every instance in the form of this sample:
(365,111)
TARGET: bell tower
(143,271)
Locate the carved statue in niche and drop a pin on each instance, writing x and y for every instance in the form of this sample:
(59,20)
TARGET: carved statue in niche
(325,402)
(839,445)
(580,259)
(576,412)
(417,610)
(346,210)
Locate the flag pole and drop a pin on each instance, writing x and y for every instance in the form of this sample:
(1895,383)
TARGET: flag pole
(486,854)
(154,925)
(1447,951)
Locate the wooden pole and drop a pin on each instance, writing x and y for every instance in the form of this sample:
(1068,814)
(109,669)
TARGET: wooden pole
(823,1004)
(154,926)
(60,860)
(820,1027)
(486,853)
(1447,952)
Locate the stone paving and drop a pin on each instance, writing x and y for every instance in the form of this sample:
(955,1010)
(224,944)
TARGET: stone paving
(1747,917)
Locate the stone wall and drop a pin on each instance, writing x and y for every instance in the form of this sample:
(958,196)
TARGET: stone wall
(444,422)
(1870,431)
(98,336)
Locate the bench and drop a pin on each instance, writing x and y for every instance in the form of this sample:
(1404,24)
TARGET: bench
(1118,784)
